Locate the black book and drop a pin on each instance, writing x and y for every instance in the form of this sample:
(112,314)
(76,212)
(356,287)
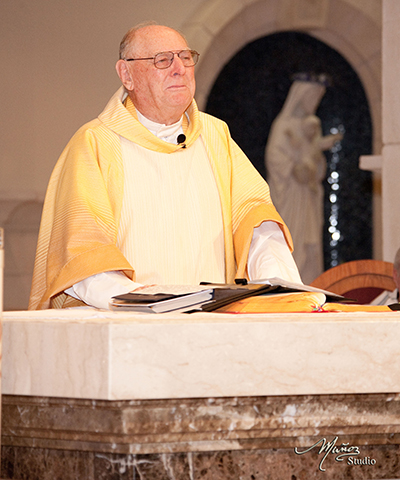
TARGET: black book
(226,294)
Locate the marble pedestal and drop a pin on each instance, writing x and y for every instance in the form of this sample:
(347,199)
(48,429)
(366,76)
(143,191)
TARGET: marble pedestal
(106,396)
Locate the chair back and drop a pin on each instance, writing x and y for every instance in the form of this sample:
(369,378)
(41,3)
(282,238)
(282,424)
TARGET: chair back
(360,280)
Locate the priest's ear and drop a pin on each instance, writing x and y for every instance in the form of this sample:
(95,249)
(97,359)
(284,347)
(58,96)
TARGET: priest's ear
(124,74)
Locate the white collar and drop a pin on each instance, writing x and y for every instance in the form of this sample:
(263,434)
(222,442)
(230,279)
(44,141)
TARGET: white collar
(168,133)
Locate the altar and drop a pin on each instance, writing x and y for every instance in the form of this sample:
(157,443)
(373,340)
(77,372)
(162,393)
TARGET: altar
(90,394)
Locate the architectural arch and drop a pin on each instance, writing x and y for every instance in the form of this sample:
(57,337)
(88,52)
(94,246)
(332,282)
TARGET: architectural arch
(220,28)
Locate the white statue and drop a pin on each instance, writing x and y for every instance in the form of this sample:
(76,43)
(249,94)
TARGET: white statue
(296,166)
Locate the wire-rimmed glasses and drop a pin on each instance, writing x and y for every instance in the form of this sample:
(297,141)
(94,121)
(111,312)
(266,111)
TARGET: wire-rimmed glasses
(162,60)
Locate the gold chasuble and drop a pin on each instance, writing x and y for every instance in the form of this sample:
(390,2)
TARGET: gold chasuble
(82,209)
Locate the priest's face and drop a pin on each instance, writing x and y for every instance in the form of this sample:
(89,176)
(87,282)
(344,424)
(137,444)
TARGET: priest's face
(160,94)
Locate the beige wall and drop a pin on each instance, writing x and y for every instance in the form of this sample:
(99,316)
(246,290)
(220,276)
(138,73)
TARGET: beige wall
(58,60)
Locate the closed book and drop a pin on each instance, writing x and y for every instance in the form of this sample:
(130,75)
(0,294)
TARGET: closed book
(160,302)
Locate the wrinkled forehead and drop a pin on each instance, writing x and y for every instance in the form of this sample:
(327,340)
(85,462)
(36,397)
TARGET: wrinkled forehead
(153,39)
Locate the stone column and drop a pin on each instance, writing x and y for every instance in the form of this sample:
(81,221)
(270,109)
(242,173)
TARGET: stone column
(390,128)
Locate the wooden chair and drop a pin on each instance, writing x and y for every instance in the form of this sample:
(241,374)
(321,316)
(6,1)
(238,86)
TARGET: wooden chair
(360,280)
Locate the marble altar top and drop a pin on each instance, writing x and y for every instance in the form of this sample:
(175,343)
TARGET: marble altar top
(88,353)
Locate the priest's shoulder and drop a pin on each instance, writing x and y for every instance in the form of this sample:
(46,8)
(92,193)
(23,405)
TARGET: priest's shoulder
(210,122)
(90,131)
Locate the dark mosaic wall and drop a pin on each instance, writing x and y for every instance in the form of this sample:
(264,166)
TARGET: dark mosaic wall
(250,92)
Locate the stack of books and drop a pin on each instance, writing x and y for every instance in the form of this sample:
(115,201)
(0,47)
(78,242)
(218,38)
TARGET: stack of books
(265,296)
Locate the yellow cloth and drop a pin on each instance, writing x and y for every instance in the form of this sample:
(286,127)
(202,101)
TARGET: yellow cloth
(83,202)
(345,307)
(298,302)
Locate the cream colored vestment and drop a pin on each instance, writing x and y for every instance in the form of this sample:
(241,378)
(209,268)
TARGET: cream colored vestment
(81,215)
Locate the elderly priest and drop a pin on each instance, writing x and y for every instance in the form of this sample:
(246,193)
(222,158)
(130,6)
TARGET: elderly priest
(154,192)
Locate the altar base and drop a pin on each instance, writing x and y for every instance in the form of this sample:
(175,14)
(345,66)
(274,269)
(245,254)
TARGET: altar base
(237,438)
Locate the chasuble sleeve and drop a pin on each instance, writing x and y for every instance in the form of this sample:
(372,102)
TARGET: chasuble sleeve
(79,224)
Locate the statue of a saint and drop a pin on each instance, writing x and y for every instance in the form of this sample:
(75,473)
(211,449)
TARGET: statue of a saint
(296,166)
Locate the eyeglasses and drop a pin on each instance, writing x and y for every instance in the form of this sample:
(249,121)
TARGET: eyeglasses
(161,60)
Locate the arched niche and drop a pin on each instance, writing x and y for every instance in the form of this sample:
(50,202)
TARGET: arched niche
(220,28)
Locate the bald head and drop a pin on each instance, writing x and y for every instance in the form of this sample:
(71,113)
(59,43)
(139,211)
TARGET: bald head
(133,35)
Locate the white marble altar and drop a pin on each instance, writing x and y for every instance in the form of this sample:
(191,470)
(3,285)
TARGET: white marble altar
(87,353)
(97,394)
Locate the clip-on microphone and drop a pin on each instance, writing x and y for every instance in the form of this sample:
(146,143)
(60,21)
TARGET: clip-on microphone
(181,139)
